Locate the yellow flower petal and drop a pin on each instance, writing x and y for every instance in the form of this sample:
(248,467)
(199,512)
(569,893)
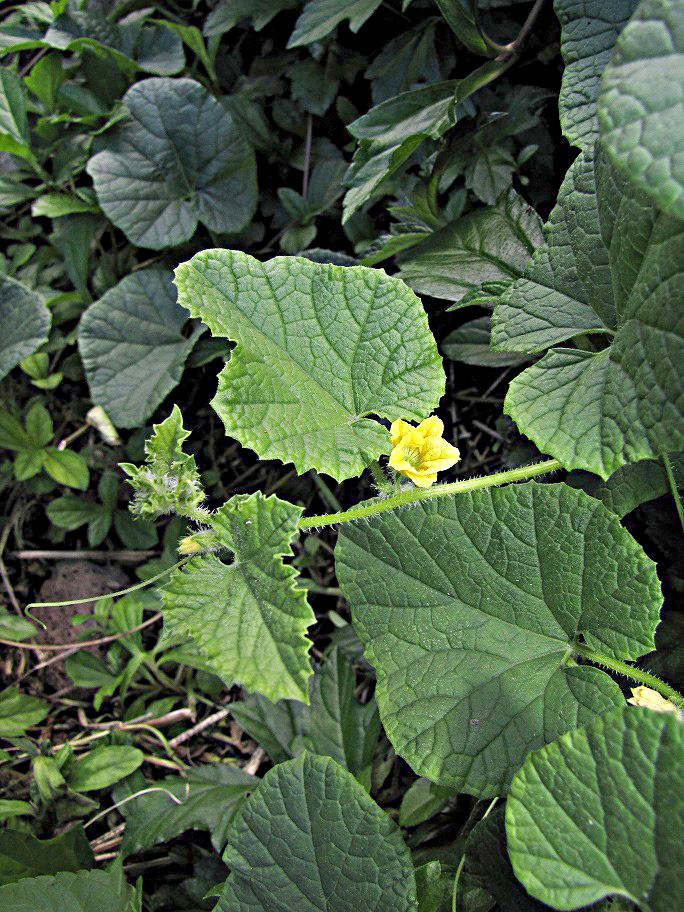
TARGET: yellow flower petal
(651,699)
(420,452)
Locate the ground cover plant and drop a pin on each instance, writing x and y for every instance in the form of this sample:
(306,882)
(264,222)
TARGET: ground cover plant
(343,429)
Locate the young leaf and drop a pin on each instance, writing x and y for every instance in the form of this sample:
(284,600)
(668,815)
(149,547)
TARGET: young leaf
(468,608)
(24,323)
(311,839)
(488,245)
(22,855)
(249,618)
(14,132)
(85,891)
(568,805)
(640,105)
(588,33)
(176,160)
(210,796)
(320,17)
(320,348)
(132,345)
(66,467)
(611,265)
(169,481)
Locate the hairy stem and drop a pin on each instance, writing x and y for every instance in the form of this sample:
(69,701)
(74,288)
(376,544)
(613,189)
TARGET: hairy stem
(629,671)
(413,495)
(672,481)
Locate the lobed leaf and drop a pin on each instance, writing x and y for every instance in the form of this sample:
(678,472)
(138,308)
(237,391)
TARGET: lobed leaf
(249,618)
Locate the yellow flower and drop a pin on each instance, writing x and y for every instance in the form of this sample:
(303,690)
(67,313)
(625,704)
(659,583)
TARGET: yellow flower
(420,452)
(651,699)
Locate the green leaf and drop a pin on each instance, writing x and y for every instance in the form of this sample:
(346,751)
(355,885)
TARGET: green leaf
(169,481)
(229,12)
(13,119)
(132,346)
(274,726)
(12,434)
(320,348)
(339,726)
(39,426)
(19,712)
(460,19)
(567,810)
(640,105)
(133,531)
(69,512)
(16,628)
(86,891)
(210,797)
(588,32)
(421,801)
(311,839)
(102,766)
(433,888)
(612,265)
(631,485)
(177,159)
(66,467)
(9,808)
(320,17)
(22,855)
(470,345)
(468,609)
(24,323)
(488,245)
(487,871)
(57,205)
(249,618)
(389,134)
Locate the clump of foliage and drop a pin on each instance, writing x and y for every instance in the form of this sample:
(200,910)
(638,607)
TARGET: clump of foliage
(374,688)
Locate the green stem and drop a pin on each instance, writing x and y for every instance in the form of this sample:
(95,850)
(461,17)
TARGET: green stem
(629,671)
(413,495)
(667,462)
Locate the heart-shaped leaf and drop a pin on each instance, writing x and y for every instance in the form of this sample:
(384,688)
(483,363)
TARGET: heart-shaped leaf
(320,348)
(176,160)
(469,607)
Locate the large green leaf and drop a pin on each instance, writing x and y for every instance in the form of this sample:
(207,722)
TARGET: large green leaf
(22,855)
(24,323)
(311,839)
(489,244)
(86,891)
(613,266)
(249,618)
(320,17)
(601,812)
(468,608)
(589,31)
(320,348)
(176,160)
(132,345)
(210,796)
(641,109)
